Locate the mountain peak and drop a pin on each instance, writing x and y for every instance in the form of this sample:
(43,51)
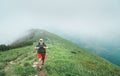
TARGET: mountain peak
(35,35)
(34,30)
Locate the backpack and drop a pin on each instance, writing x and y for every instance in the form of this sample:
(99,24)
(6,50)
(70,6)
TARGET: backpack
(42,44)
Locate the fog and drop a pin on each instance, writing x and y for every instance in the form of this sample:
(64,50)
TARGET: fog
(97,19)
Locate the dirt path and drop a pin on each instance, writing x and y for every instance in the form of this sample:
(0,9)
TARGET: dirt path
(43,72)
(16,61)
(9,64)
(7,67)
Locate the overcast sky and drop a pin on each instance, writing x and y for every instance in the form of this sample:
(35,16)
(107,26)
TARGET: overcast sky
(90,18)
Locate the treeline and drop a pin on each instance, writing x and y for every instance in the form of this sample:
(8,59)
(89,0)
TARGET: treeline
(4,47)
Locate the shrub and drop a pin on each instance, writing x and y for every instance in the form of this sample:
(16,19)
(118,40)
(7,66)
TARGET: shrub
(4,47)
(2,65)
(2,73)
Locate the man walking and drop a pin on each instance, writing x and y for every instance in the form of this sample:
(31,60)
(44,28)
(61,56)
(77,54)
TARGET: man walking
(41,50)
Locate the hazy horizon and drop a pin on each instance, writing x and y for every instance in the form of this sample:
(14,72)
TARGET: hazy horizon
(96,19)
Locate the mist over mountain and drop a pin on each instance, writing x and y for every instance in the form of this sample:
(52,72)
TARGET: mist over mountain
(107,49)
(92,24)
(98,19)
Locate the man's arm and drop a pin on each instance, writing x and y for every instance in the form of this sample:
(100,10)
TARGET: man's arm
(36,48)
(45,47)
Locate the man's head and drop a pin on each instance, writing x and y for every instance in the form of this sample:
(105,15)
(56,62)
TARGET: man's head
(41,40)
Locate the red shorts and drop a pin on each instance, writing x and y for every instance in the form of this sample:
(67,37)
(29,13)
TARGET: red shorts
(41,56)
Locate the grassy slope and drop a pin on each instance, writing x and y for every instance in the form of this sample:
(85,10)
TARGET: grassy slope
(63,59)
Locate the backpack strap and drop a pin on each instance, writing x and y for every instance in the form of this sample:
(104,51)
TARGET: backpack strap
(42,44)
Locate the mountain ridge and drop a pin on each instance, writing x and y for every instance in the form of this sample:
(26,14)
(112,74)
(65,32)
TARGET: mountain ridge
(64,58)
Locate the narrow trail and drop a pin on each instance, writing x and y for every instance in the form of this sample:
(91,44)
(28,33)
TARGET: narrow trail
(9,64)
(7,67)
(43,72)
(18,60)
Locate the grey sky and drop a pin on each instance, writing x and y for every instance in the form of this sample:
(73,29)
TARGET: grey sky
(89,18)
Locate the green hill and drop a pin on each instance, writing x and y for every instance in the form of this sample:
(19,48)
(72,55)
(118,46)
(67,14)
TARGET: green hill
(64,58)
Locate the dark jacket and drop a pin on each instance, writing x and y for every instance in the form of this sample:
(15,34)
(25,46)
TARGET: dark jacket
(41,48)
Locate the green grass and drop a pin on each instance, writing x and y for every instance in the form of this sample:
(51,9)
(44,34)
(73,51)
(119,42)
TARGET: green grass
(70,60)
(63,59)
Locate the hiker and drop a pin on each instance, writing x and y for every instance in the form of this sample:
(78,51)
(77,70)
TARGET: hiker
(41,50)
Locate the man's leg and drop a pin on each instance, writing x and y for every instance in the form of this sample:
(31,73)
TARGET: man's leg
(43,58)
(39,60)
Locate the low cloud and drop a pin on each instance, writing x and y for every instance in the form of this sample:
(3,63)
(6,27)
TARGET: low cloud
(97,19)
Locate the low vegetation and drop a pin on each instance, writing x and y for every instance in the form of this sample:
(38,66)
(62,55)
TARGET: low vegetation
(63,59)
(4,47)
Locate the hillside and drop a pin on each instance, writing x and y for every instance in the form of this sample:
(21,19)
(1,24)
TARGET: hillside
(109,51)
(64,58)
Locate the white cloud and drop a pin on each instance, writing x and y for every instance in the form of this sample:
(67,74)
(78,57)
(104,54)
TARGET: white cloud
(91,18)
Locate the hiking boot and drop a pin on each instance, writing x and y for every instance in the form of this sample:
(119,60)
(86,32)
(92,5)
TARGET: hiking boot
(39,68)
